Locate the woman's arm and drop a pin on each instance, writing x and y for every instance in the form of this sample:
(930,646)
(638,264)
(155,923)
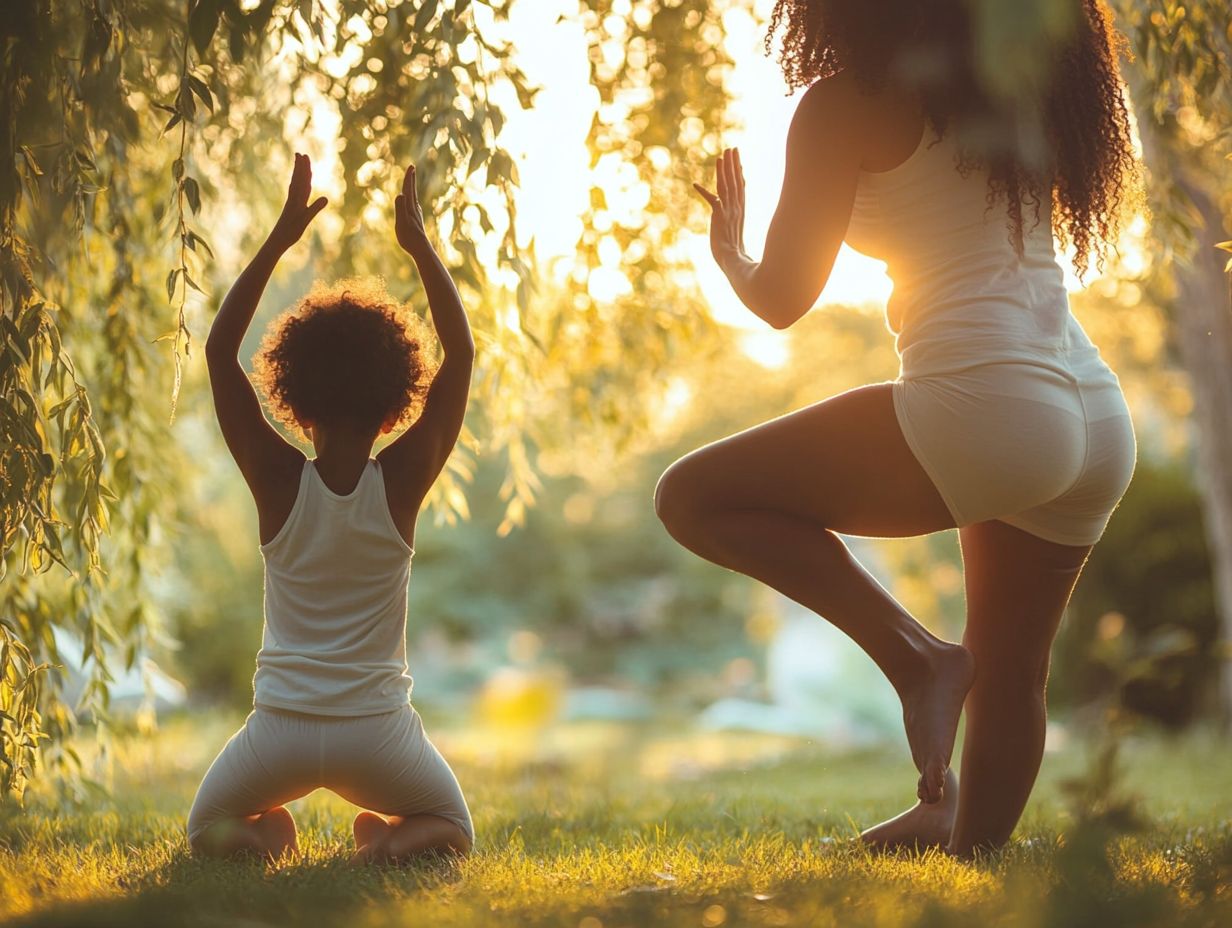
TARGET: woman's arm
(258,449)
(824,151)
(421,451)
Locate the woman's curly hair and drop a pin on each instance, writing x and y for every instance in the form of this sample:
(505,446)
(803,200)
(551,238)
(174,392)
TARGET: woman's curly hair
(346,355)
(1065,136)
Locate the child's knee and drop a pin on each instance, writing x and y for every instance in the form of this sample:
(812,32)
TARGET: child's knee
(197,826)
(211,838)
(463,843)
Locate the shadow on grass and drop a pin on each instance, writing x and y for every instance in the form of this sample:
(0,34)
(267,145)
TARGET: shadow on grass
(248,892)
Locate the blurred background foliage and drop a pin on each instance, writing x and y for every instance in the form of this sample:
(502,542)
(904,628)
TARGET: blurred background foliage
(144,150)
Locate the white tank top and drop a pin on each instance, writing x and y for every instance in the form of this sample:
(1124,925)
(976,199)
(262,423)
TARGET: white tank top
(336,577)
(962,295)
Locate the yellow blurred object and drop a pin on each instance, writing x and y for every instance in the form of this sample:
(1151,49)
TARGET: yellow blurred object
(515,697)
(1110,625)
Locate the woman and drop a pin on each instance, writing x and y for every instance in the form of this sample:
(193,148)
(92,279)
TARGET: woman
(1004,421)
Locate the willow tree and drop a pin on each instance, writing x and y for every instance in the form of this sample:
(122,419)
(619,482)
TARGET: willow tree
(1180,79)
(141,136)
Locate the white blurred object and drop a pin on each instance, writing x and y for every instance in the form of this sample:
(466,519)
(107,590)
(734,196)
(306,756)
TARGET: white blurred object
(821,685)
(606,703)
(140,688)
(1056,737)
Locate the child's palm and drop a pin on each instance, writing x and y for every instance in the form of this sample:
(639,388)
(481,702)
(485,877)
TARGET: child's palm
(408,216)
(297,212)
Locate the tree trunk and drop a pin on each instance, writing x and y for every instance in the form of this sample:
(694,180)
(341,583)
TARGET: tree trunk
(1202,326)
(1203,322)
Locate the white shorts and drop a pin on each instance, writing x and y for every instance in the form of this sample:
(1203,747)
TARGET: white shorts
(1030,446)
(384,763)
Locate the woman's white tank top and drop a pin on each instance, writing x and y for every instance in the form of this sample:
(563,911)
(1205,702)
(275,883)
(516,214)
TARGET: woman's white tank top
(336,577)
(962,295)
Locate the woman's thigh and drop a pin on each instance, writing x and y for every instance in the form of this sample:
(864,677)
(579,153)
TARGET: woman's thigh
(842,463)
(1017,588)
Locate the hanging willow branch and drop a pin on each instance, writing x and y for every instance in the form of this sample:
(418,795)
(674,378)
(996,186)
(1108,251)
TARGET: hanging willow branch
(187,188)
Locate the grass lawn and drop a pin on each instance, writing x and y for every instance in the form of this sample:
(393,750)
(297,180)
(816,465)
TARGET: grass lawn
(598,827)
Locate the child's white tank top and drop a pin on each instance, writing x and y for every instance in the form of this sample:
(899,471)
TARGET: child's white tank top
(962,295)
(336,577)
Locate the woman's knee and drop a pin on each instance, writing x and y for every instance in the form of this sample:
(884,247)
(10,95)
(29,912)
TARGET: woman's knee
(1009,676)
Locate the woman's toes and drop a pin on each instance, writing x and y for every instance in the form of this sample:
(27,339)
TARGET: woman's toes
(931,786)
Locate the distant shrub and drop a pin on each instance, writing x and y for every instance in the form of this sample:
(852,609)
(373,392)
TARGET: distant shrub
(1143,620)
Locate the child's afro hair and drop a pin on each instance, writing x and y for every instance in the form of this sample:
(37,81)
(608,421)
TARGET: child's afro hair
(347,354)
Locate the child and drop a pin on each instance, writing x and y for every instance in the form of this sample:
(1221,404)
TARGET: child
(331,704)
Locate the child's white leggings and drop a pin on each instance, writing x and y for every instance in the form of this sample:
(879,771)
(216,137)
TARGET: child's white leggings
(384,763)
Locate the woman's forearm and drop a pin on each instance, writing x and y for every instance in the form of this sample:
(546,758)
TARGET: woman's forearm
(763,295)
(743,273)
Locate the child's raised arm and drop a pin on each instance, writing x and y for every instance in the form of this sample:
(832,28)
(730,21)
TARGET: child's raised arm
(418,455)
(260,452)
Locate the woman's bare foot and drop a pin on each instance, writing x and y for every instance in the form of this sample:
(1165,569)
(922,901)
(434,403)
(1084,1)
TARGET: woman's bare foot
(930,714)
(371,837)
(922,826)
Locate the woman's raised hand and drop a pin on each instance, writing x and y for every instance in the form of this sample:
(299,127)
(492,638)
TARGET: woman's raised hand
(726,207)
(408,217)
(297,212)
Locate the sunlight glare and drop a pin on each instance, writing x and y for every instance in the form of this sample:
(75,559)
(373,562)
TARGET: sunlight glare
(769,348)
(676,399)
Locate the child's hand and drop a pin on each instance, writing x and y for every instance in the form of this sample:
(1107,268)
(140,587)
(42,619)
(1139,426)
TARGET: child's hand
(408,217)
(297,213)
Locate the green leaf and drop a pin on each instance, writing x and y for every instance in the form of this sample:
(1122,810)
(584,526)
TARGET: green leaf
(427,9)
(203,23)
(30,162)
(192,193)
(184,102)
(200,88)
(235,43)
(192,240)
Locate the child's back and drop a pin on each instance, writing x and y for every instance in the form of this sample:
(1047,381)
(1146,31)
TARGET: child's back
(336,578)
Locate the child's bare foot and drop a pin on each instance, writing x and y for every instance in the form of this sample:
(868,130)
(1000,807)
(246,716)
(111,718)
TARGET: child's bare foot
(930,713)
(371,836)
(922,826)
(274,834)
(402,838)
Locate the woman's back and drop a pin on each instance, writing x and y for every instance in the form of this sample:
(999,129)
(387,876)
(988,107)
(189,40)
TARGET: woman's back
(963,294)
(336,578)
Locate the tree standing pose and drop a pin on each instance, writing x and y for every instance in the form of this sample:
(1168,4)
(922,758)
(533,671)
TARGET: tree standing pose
(331,691)
(1004,420)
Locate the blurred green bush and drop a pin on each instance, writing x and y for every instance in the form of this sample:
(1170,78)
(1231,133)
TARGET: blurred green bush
(1142,620)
